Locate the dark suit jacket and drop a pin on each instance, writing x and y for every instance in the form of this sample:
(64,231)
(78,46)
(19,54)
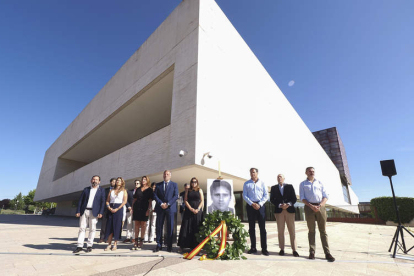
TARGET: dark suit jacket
(170,196)
(130,199)
(98,202)
(289,195)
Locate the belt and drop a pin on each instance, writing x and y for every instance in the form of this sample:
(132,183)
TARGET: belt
(88,208)
(316,204)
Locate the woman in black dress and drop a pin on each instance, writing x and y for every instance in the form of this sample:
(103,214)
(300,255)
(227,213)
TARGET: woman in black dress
(141,208)
(193,215)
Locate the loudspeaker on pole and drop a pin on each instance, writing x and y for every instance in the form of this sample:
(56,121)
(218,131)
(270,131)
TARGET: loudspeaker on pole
(388,167)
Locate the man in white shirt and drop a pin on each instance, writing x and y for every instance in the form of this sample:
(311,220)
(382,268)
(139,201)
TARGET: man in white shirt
(90,209)
(313,195)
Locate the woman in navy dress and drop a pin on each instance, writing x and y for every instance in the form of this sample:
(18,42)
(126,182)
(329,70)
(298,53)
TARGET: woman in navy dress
(142,207)
(193,216)
(115,202)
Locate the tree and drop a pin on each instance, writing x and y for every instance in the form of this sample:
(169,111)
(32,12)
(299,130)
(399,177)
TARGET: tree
(17,202)
(28,200)
(5,204)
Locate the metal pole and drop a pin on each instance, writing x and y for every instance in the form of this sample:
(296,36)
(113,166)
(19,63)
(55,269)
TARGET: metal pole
(395,201)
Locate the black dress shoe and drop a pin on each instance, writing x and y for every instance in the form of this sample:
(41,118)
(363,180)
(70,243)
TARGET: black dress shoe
(265,252)
(329,257)
(296,254)
(77,250)
(312,256)
(89,249)
(169,249)
(157,249)
(282,252)
(252,251)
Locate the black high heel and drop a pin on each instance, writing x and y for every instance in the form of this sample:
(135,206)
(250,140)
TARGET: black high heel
(141,240)
(135,246)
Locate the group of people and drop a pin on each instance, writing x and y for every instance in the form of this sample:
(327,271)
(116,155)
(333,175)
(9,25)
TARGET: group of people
(311,192)
(146,207)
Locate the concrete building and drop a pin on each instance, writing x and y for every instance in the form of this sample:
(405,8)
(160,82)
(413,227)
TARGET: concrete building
(193,86)
(331,142)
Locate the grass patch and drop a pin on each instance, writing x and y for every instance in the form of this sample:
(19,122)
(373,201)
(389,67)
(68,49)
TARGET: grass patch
(11,212)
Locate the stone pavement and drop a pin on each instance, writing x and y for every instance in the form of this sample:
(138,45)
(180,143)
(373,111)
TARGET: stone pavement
(42,245)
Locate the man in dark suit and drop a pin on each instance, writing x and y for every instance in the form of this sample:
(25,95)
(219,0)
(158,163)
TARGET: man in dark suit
(165,195)
(90,208)
(105,214)
(283,196)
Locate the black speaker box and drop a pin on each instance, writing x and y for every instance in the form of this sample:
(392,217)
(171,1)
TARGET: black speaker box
(388,167)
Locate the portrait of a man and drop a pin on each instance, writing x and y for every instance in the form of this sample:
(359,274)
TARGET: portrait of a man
(220,195)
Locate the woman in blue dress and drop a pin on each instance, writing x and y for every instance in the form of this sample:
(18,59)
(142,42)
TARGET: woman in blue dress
(115,202)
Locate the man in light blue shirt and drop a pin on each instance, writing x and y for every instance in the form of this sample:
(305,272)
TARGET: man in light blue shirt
(313,195)
(255,194)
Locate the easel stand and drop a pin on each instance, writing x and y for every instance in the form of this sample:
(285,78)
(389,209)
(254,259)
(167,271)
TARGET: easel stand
(395,240)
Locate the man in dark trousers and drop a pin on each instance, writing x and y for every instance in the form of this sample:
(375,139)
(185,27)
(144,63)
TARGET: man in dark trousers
(90,208)
(255,194)
(165,195)
(105,214)
(283,196)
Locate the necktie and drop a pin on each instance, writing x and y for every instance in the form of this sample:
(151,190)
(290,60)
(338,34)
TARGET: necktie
(165,186)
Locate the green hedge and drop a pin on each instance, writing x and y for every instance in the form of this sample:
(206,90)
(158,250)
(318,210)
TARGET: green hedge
(11,212)
(386,210)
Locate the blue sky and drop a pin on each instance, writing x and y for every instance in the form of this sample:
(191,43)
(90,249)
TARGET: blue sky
(352,63)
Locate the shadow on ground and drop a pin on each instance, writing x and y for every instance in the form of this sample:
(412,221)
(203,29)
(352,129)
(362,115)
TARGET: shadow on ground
(51,220)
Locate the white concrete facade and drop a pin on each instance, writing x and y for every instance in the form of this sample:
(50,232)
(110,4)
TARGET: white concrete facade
(216,97)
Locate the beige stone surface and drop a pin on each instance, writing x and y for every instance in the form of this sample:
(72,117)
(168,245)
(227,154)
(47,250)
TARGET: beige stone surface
(40,245)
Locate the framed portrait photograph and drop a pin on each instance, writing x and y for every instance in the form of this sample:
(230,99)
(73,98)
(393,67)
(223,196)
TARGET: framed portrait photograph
(220,195)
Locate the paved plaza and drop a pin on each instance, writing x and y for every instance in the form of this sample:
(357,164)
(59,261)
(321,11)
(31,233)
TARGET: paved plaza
(42,245)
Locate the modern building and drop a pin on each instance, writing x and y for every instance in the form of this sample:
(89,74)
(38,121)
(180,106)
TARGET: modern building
(365,210)
(193,87)
(331,142)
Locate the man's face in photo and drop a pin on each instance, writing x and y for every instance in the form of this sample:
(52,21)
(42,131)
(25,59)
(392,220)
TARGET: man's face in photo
(221,198)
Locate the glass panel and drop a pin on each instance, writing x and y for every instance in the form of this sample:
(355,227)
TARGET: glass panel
(239,205)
